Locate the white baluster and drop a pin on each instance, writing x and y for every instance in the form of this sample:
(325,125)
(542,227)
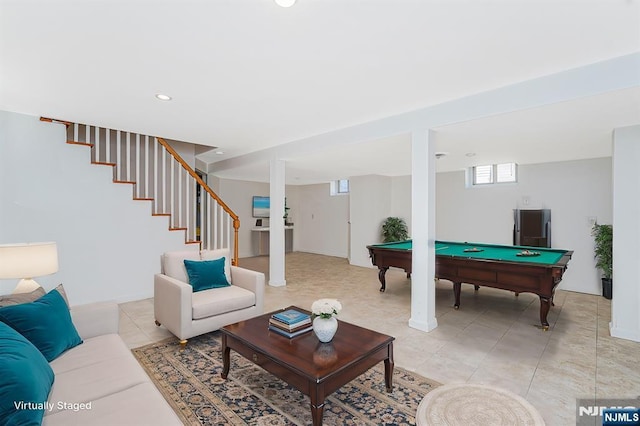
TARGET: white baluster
(187,203)
(209,246)
(179,194)
(96,146)
(203,196)
(215,226)
(155,175)
(127,156)
(221,242)
(118,157)
(172,189)
(137,165)
(194,207)
(108,145)
(146,167)
(165,181)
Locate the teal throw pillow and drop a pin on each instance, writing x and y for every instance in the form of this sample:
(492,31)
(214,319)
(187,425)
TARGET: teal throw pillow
(206,274)
(25,380)
(45,322)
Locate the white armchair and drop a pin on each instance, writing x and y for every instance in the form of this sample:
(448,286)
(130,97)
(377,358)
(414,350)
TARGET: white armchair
(187,314)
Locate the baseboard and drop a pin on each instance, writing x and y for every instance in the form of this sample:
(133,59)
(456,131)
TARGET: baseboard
(423,325)
(622,333)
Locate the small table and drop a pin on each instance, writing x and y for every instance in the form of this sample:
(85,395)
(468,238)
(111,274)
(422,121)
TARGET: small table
(314,368)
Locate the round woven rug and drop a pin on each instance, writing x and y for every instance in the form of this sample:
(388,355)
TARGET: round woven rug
(472,404)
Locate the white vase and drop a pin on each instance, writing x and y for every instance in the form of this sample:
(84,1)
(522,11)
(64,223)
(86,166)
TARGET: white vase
(325,328)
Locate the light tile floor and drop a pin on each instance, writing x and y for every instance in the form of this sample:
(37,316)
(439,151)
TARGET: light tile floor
(493,338)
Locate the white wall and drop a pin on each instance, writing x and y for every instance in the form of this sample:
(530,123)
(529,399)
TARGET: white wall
(401,199)
(109,246)
(184,150)
(625,316)
(482,214)
(574,191)
(370,204)
(321,222)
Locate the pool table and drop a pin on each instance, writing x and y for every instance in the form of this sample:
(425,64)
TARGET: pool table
(516,268)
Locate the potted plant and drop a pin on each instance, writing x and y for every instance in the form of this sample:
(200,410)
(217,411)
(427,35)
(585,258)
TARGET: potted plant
(394,229)
(603,237)
(325,323)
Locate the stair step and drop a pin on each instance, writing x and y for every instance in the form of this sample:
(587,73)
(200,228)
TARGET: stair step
(79,143)
(161,176)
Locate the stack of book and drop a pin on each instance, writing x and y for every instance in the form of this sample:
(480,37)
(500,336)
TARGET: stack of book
(290,323)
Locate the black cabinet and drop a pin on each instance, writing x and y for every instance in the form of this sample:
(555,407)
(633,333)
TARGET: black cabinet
(532,228)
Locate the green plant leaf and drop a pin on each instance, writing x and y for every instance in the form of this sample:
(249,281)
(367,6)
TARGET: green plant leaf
(603,251)
(394,229)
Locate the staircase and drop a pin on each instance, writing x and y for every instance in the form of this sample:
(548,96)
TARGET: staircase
(159,175)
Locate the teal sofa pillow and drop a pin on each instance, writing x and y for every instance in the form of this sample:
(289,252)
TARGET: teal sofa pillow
(206,274)
(25,380)
(45,322)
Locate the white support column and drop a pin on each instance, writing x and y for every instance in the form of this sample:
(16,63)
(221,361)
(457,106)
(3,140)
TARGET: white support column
(423,230)
(276,223)
(625,315)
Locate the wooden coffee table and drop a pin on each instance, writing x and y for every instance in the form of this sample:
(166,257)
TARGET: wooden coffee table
(314,368)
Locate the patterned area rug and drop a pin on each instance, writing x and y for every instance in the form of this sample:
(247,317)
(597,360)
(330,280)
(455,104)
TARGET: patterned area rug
(190,380)
(469,404)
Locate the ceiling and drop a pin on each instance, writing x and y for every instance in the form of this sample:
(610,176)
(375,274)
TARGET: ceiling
(247,75)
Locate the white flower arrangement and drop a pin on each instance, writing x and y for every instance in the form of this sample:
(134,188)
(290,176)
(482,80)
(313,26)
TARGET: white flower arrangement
(326,308)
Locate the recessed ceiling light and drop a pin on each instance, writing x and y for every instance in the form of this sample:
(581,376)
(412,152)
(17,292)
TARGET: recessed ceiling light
(219,152)
(439,155)
(470,154)
(285,3)
(163,97)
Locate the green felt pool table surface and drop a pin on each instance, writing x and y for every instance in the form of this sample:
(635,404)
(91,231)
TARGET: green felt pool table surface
(545,256)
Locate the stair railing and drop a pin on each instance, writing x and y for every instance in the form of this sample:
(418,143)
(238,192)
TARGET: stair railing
(160,175)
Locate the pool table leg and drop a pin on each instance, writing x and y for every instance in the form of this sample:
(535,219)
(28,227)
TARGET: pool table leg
(456,294)
(545,304)
(381,273)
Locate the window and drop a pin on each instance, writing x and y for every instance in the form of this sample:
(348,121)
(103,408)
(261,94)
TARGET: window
(482,175)
(339,187)
(343,186)
(494,173)
(506,172)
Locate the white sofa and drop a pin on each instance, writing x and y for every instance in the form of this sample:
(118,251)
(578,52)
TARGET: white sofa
(186,313)
(99,382)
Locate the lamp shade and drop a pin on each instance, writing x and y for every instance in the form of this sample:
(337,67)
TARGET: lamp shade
(28,260)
